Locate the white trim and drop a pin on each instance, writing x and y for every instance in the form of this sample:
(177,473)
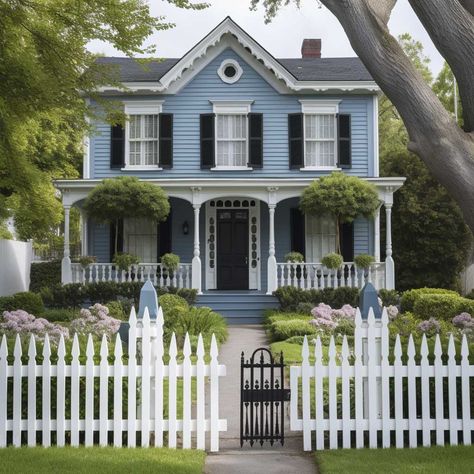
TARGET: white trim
(86,150)
(320,168)
(148,107)
(376,135)
(230,107)
(320,107)
(222,67)
(231,168)
(141,168)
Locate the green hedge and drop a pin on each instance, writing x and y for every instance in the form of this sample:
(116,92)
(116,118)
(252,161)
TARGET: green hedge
(410,297)
(284,329)
(45,274)
(442,306)
(28,301)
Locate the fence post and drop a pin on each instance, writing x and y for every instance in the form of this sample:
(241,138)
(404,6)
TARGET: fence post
(3,391)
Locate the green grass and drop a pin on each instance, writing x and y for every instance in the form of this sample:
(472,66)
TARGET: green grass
(435,460)
(101,460)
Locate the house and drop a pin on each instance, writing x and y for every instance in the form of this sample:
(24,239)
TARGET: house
(234,135)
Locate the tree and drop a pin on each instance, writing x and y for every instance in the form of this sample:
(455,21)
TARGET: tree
(445,148)
(345,197)
(126,196)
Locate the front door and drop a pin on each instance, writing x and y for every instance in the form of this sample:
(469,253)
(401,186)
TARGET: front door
(232,249)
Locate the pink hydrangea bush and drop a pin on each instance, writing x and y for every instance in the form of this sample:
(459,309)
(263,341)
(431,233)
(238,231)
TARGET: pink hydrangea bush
(465,323)
(96,321)
(392,312)
(327,318)
(22,323)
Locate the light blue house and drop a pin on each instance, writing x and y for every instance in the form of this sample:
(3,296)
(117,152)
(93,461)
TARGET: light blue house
(233,135)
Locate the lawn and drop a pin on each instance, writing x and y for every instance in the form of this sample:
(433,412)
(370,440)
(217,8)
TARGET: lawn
(436,460)
(101,460)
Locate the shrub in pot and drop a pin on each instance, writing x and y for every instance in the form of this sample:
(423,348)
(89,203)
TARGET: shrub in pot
(124,261)
(170,263)
(86,260)
(332,261)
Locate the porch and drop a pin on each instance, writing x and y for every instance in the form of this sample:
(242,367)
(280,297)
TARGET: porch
(232,235)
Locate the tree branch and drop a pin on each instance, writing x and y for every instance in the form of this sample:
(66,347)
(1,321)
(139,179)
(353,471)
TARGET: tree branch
(452,31)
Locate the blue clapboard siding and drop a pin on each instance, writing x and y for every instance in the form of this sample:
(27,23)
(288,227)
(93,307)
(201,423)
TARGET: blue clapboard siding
(193,100)
(99,241)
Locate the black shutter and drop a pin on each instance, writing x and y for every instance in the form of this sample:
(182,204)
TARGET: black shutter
(255,140)
(344,141)
(166,140)
(346,236)
(297,231)
(295,140)
(164,236)
(207,141)
(117,146)
(112,233)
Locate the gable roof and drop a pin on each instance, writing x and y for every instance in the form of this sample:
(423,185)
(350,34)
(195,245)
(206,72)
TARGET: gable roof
(308,74)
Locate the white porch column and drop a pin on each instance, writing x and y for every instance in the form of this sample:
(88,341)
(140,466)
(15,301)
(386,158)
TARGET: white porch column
(377,235)
(66,270)
(272,263)
(389,263)
(196,263)
(84,233)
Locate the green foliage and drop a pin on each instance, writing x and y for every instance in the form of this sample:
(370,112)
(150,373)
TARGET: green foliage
(4,232)
(404,324)
(284,329)
(170,261)
(125,260)
(45,274)
(294,257)
(86,260)
(389,297)
(63,315)
(443,87)
(410,297)
(332,261)
(470,295)
(273,316)
(363,260)
(173,307)
(30,302)
(442,306)
(117,310)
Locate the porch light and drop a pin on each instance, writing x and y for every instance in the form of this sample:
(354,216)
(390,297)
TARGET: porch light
(185,228)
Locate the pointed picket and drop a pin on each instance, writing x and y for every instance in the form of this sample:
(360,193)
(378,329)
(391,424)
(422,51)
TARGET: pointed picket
(103,392)
(425,392)
(187,393)
(318,393)
(118,375)
(358,381)
(452,391)
(305,395)
(32,392)
(46,393)
(61,393)
(146,368)
(466,393)
(159,374)
(17,395)
(372,402)
(3,391)
(75,392)
(200,395)
(385,379)
(172,383)
(214,396)
(332,367)
(132,380)
(411,371)
(89,431)
(439,392)
(398,392)
(346,394)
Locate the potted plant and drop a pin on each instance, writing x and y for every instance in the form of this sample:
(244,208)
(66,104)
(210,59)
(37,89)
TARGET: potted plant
(332,261)
(123,261)
(170,263)
(363,262)
(294,257)
(86,260)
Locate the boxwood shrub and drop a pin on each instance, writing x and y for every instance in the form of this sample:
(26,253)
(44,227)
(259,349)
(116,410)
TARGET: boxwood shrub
(45,275)
(442,306)
(26,300)
(284,329)
(410,297)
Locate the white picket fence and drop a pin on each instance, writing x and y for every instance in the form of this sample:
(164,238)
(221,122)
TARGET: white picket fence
(389,403)
(87,388)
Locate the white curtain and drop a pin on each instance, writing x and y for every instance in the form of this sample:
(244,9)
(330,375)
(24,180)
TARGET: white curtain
(140,239)
(320,237)
(231,140)
(143,140)
(320,140)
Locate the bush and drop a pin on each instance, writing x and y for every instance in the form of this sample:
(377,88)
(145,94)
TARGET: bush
(96,321)
(45,274)
(442,306)
(409,297)
(170,261)
(470,295)
(284,329)
(63,315)
(63,296)
(364,261)
(273,316)
(86,260)
(333,261)
(125,260)
(389,297)
(294,257)
(405,324)
(117,311)
(173,307)
(26,300)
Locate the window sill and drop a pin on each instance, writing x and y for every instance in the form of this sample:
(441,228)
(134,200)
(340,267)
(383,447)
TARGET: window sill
(321,168)
(231,168)
(141,168)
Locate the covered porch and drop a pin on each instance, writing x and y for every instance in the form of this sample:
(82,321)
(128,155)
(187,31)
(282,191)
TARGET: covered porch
(231,235)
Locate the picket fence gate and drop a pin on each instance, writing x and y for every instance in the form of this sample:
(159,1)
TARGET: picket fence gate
(145,375)
(389,403)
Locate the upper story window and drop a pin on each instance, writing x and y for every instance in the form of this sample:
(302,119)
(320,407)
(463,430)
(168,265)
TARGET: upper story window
(229,71)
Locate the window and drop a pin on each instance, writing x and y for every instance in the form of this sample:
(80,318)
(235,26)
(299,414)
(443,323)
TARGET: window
(229,71)
(231,138)
(141,239)
(320,237)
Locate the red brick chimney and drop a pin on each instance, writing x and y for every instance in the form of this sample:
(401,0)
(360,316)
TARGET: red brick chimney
(311,48)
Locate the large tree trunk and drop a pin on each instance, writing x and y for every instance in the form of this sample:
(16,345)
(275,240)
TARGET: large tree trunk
(434,135)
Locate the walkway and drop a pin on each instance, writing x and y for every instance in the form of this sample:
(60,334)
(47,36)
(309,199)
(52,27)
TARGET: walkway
(231,458)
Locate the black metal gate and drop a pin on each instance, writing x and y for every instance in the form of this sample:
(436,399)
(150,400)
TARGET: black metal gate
(262,397)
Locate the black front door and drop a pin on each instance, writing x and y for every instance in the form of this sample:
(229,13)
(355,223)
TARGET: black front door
(232,249)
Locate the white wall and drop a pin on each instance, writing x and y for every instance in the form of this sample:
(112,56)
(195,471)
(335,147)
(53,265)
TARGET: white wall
(15,263)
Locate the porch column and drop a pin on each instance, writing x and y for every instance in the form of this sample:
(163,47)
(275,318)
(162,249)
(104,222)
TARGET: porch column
(66,270)
(389,263)
(196,263)
(377,235)
(272,264)
(84,246)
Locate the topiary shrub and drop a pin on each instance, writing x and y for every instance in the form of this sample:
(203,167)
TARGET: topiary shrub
(45,274)
(170,261)
(27,301)
(125,260)
(409,297)
(332,261)
(294,257)
(284,329)
(389,297)
(364,260)
(442,306)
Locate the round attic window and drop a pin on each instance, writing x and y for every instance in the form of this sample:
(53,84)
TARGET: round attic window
(229,71)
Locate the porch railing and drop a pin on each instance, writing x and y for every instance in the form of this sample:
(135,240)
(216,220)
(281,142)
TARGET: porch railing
(155,272)
(316,276)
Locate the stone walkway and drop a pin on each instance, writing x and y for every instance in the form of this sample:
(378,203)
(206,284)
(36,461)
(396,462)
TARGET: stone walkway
(231,458)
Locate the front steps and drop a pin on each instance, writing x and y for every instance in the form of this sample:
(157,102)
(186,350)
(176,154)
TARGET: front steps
(238,307)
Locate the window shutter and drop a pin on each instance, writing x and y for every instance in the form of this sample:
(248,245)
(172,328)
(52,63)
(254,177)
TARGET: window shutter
(112,233)
(344,141)
(255,140)
(295,140)
(346,236)
(164,236)
(207,141)
(166,140)
(297,230)
(117,146)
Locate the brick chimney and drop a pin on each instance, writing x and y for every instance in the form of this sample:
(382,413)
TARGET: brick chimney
(311,48)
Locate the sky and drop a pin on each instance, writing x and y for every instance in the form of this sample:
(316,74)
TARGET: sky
(282,37)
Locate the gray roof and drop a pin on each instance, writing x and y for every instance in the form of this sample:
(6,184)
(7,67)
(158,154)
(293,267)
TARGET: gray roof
(308,69)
